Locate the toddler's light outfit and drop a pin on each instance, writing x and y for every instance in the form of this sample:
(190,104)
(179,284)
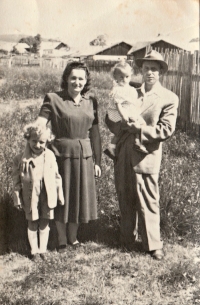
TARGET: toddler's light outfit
(126,96)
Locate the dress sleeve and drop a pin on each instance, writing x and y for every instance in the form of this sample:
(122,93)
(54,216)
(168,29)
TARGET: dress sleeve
(95,109)
(46,109)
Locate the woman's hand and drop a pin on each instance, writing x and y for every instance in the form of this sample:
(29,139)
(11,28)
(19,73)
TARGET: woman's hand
(18,207)
(97,171)
(96,144)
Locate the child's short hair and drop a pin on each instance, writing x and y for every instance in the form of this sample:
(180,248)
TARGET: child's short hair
(37,129)
(120,67)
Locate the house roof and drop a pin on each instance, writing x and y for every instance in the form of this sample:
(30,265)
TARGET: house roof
(143,45)
(49,45)
(94,50)
(22,45)
(180,38)
(139,45)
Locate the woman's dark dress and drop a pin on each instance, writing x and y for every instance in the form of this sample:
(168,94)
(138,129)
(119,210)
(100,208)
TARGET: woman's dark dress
(72,147)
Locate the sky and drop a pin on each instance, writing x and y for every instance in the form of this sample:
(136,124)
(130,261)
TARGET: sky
(77,22)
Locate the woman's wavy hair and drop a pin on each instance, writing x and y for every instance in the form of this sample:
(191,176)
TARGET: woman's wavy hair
(76,65)
(38,130)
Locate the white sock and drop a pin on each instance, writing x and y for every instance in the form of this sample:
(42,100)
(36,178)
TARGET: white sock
(44,237)
(33,241)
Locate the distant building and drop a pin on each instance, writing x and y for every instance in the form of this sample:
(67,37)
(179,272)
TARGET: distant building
(52,48)
(115,51)
(22,48)
(139,49)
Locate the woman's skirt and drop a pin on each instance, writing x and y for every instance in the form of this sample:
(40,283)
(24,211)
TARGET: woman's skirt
(79,190)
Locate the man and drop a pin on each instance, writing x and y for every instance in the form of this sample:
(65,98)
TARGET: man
(136,174)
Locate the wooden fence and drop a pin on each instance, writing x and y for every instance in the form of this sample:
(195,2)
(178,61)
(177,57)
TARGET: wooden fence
(183,78)
(103,65)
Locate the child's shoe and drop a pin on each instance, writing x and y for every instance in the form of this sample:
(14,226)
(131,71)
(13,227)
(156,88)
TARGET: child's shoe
(35,257)
(44,256)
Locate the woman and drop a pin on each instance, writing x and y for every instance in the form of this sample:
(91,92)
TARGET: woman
(74,121)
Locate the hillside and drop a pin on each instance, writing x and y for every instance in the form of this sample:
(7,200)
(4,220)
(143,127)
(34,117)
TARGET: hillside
(16,37)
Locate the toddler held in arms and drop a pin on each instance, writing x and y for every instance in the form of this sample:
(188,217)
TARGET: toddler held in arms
(37,186)
(124,105)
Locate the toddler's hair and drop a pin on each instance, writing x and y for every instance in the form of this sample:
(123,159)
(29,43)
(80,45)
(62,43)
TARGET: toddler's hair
(38,129)
(120,67)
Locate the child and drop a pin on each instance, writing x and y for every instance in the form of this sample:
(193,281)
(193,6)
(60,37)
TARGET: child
(124,105)
(37,186)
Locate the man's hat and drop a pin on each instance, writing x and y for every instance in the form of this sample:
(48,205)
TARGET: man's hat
(153,56)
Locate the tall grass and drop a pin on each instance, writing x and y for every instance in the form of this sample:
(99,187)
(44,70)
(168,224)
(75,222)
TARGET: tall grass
(179,176)
(28,83)
(33,82)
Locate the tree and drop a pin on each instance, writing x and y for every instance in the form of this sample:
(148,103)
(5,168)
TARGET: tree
(15,51)
(99,41)
(195,40)
(33,42)
(2,51)
(36,43)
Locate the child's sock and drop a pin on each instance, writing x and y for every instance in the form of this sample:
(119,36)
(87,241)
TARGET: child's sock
(33,240)
(44,237)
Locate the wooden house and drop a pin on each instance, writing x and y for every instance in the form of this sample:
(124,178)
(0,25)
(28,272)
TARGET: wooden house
(22,48)
(52,48)
(139,50)
(115,51)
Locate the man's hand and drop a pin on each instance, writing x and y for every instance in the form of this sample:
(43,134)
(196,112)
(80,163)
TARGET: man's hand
(134,127)
(97,171)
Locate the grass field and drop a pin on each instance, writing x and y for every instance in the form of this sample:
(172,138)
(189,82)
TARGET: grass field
(99,272)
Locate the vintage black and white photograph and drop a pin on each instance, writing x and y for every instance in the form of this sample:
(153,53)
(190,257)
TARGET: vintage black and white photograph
(99,152)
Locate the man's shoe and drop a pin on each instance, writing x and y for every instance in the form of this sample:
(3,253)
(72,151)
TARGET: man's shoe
(62,249)
(76,244)
(157,254)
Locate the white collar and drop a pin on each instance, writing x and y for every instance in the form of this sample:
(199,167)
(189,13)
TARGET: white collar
(155,90)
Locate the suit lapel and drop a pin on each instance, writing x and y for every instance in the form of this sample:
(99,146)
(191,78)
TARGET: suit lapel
(147,102)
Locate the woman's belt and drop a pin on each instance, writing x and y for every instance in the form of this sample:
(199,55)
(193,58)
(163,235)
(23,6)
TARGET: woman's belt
(72,148)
